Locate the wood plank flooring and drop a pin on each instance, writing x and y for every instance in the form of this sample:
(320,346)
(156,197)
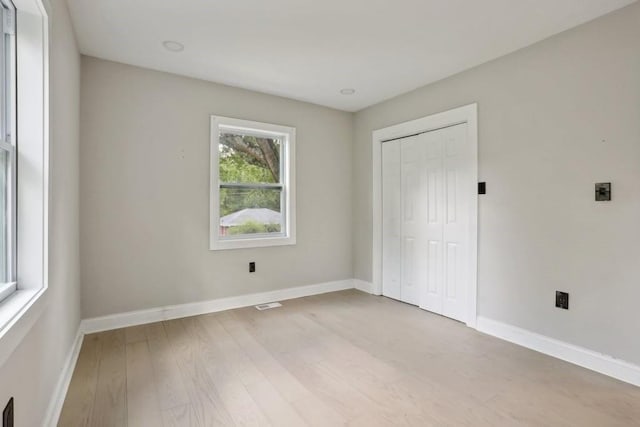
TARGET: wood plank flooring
(344,358)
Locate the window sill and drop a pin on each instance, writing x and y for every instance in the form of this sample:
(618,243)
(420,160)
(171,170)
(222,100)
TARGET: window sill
(262,242)
(18,314)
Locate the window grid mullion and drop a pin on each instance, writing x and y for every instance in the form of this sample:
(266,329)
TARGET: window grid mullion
(251,186)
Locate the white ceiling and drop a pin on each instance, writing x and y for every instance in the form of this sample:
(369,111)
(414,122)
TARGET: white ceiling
(310,49)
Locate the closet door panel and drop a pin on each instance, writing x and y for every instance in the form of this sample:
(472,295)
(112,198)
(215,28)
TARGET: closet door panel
(413,213)
(391,220)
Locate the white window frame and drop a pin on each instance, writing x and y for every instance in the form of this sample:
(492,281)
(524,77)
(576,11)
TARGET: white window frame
(20,311)
(287,135)
(8,136)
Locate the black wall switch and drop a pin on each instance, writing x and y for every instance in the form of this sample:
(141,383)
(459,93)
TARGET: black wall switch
(252,267)
(562,300)
(7,414)
(482,188)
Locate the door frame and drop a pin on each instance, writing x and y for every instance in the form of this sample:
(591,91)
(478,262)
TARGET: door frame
(466,114)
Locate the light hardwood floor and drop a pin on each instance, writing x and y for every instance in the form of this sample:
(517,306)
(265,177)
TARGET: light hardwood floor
(344,358)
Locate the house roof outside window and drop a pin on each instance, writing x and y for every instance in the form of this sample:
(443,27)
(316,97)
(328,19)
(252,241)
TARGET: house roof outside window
(260,215)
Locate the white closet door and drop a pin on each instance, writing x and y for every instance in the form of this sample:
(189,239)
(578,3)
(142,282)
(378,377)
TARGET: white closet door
(456,234)
(434,221)
(426,191)
(447,222)
(413,212)
(391,215)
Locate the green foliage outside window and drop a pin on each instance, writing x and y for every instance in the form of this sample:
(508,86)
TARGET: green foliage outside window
(249,160)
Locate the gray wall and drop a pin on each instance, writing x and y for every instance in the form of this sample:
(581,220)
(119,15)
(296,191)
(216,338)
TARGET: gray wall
(32,371)
(554,119)
(145,192)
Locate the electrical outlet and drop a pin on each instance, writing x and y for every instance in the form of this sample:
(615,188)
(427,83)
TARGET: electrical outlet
(7,414)
(252,267)
(603,192)
(562,300)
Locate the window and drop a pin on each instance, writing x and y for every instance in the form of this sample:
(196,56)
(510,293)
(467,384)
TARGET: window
(24,172)
(253,184)
(8,181)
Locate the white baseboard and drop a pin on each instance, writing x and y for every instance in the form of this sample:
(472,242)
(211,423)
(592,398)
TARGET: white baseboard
(57,399)
(602,363)
(363,286)
(141,317)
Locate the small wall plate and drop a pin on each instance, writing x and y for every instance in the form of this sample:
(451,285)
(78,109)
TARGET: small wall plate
(603,192)
(562,300)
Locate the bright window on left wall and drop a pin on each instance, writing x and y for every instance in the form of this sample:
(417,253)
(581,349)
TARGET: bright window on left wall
(8,155)
(24,168)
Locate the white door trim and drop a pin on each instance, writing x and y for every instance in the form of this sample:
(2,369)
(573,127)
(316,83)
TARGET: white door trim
(467,114)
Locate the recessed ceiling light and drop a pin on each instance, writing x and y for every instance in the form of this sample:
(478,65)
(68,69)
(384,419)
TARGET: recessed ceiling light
(348,91)
(173,46)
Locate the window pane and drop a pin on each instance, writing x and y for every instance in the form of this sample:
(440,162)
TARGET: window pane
(249,159)
(4,217)
(250,211)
